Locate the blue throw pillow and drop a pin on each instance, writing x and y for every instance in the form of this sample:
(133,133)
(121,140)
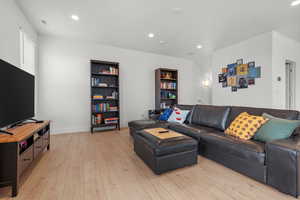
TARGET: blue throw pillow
(165,115)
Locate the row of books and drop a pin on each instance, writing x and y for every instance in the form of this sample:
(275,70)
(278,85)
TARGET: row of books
(111,70)
(96,82)
(98,119)
(113,96)
(112,120)
(104,107)
(167,85)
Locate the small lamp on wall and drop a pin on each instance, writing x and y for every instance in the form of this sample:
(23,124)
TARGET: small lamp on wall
(205,83)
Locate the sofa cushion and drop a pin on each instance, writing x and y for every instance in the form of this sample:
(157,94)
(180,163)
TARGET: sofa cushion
(194,131)
(249,150)
(142,124)
(184,107)
(210,116)
(284,114)
(245,126)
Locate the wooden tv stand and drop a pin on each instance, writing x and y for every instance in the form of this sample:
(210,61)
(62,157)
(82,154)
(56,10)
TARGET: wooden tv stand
(14,159)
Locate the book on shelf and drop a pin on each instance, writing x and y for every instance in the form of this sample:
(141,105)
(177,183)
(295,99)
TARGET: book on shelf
(98,97)
(104,107)
(112,120)
(113,108)
(97,119)
(109,71)
(96,82)
(114,96)
(166,85)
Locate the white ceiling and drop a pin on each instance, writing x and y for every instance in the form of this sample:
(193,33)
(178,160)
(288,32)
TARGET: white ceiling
(126,23)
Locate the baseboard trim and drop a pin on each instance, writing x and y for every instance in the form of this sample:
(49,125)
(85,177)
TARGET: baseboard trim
(78,130)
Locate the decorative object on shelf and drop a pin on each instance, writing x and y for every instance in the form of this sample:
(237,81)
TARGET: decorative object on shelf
(167,75)
(105,103)
(238,75)
(166,88)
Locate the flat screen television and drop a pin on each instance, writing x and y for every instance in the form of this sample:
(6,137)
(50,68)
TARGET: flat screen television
(16,95)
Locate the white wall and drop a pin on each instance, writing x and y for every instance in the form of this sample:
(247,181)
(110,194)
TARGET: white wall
(258,49)
(11,20)
(284,49)
(64,84)
(204,73)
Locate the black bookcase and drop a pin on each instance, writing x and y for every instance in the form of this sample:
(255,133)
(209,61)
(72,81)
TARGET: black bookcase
(166,88)
(105,96)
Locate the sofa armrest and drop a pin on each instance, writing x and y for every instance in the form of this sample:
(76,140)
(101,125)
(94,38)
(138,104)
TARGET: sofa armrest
(154,114)
(283,165)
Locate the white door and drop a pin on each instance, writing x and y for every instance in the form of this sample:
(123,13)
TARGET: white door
(290,85)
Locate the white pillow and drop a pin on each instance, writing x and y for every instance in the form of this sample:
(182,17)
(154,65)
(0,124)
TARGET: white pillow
(178,115)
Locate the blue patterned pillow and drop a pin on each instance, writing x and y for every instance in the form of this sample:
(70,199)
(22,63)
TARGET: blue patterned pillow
(166,114)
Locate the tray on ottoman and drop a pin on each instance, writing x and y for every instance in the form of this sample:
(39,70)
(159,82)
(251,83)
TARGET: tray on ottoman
(137,125)
(163,155)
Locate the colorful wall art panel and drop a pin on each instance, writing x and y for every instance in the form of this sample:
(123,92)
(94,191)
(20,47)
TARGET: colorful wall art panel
(239,75)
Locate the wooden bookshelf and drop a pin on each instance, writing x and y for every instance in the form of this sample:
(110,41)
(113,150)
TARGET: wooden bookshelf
(105,95)
(166,88)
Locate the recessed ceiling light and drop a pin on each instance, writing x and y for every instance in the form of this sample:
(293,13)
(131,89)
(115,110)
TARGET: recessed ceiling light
(199,46)
(151,35)
(75,17)
(295,3)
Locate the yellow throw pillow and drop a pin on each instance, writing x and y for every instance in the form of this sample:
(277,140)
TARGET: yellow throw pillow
(245,126)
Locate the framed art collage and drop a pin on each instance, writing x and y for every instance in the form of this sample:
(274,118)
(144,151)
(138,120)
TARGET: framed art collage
(239,75)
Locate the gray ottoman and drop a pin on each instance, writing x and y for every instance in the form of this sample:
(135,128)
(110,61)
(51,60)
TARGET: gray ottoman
(165,155)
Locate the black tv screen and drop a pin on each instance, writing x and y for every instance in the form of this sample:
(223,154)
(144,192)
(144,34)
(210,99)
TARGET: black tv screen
(17,94)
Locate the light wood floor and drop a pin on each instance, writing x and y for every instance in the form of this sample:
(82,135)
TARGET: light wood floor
(103,166)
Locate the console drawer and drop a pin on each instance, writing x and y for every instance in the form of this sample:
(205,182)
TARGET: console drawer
(38,147)
(25,159)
